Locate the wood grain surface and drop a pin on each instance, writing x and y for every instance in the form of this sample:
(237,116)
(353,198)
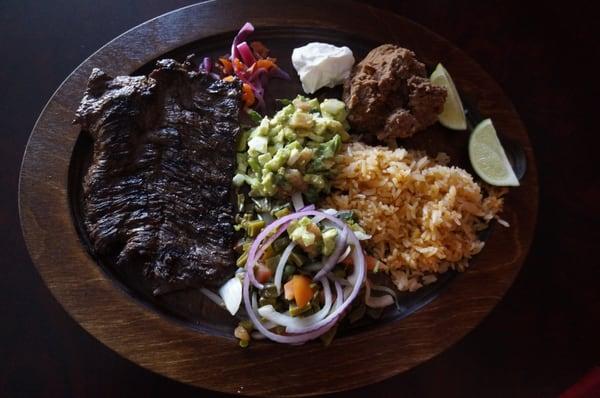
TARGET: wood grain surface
(427,341)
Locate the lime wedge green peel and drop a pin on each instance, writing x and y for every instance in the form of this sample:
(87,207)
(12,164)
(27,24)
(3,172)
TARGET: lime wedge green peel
(488,157)
(453,114)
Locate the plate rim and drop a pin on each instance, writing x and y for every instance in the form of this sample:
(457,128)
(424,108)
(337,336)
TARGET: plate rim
(89,297)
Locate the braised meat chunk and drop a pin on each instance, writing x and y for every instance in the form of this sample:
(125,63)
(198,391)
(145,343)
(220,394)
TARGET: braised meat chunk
(388,94)
(158,192)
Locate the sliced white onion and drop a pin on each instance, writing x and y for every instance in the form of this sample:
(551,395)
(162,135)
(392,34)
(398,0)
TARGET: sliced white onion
(281,265)
(212,296)
(231,293)
(292,323)
(331,261)
(331,212)
(297,201)
(269,324)
(381,288)
(346,254)
(266,324)
(362,236)
(377,302)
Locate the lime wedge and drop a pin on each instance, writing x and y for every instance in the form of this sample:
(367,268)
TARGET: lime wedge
(453,115)
(488,157)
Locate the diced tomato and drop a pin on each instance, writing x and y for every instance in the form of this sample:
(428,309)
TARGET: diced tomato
(262,273)
(298,289)
(348,260)
(288,290)
(371,262)
(302,290)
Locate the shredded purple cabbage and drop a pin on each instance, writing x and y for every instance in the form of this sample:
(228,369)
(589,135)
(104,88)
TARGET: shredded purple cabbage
(246,53)
(207,64)
(246,31)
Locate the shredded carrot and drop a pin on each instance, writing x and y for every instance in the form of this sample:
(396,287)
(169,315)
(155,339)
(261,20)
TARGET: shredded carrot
(227,67)
(228,78)
(265,63)
(238,65)
(259,49)
(248,95)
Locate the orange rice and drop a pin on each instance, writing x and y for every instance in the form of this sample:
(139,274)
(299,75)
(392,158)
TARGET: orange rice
(423,215)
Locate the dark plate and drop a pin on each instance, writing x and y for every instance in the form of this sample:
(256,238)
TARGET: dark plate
(177,334)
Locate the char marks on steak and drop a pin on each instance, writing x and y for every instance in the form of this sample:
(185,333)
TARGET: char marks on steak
(158,192)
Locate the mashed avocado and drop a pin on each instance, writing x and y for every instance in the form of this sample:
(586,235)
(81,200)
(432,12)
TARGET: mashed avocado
(294,150)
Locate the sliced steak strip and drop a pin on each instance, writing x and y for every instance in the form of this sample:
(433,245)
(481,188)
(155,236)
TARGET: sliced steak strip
(158,192)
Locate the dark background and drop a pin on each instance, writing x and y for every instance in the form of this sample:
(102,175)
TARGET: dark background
(538,341)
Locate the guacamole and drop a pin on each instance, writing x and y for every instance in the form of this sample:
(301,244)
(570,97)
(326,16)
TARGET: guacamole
(294,150)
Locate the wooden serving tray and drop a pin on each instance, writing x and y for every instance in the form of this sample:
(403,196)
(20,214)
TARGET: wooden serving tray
(182,336)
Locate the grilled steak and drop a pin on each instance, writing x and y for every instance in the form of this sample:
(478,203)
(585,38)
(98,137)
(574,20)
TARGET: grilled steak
(389,95)
(158,192)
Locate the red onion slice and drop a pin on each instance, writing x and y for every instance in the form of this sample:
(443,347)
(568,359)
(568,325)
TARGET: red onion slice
(256,250)
(244,32)
(246,53)
(357,277)
(297,323)
(346,254)
(207,64)
(332,260)
(307,208)
(291,339)
(279,271)
(341,281)
(339,298)
(340,306)
(256,253)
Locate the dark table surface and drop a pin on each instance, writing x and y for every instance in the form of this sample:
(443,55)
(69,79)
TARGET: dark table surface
(543,336)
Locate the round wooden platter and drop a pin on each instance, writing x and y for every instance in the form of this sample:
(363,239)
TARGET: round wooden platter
(159,343)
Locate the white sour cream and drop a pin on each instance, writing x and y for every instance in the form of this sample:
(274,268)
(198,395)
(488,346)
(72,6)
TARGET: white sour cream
(322,65)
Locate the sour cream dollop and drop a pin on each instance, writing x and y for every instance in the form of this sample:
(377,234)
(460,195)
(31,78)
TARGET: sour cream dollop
(322,65)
